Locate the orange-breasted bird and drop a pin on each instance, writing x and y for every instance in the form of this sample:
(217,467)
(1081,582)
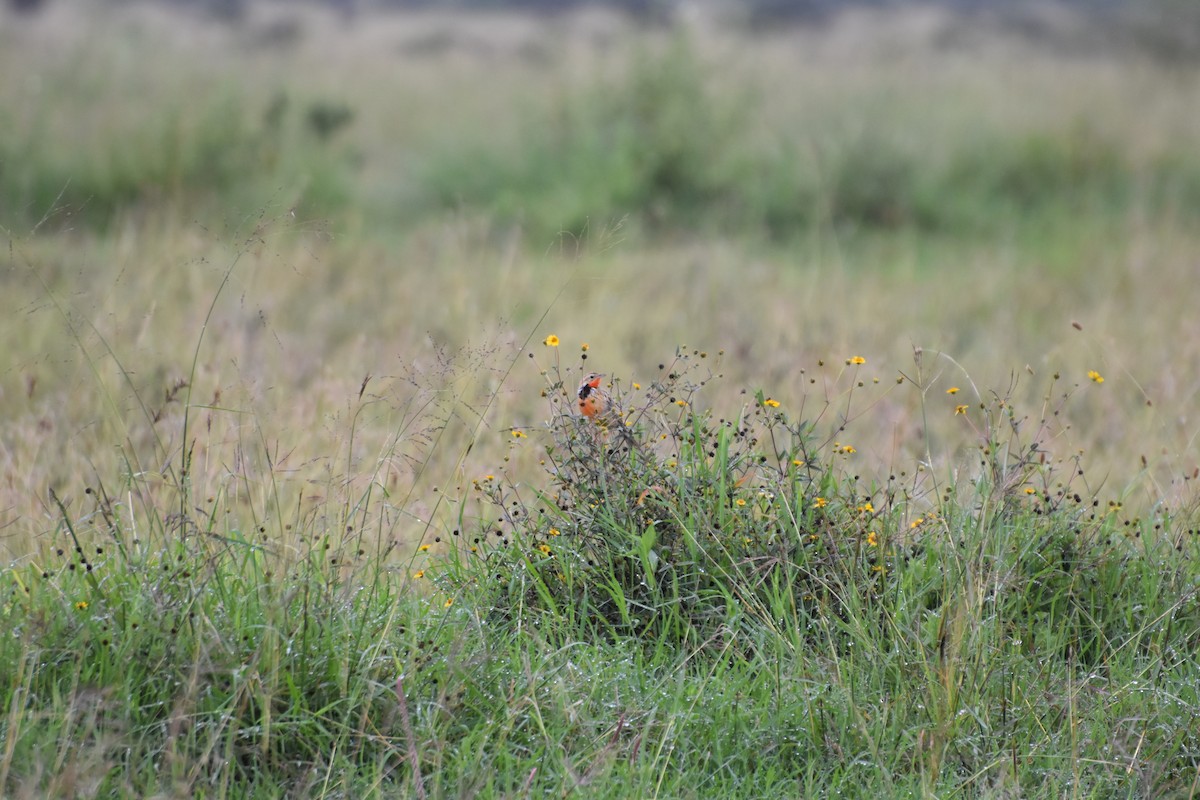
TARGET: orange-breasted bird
(592,399)
(596,404)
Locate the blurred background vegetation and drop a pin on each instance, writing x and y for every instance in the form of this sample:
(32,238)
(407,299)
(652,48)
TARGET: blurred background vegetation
(389,182)
(671,133)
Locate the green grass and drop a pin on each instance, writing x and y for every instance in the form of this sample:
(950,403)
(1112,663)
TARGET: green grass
(293,501)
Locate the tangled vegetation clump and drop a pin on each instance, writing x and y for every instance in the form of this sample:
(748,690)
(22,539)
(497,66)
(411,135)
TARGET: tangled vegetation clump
(674,524)
(671,521)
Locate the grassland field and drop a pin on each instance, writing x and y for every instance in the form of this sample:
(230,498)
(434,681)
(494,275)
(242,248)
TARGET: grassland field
(293,307)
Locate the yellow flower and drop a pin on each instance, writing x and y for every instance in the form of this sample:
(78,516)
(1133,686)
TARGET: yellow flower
(739,502)
(545,548)
(960,410)
(796,462)
(449,602)
(550,341)
(419,574)
(1095,376)
(872,539)
(917,522)
(820,502)
(857,360)
(584,347)
(516,434)
(82,605)
(423,548)
(771,403)
(866,508)
(681,403)
(555,532)
(1030,490)
(636,385)
(847,449)
(952,390)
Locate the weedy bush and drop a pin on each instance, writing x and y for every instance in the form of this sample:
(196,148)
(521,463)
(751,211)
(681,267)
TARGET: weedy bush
(676,525)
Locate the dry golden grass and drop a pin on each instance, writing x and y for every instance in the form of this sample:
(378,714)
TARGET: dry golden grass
(338,356)
(94,356)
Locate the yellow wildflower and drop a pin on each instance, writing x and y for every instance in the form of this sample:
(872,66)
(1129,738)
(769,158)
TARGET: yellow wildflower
(771,403)
(952,390)
(82,605)
(960,410)
(820,502)
(1096,377)
(857,360)
(550,341)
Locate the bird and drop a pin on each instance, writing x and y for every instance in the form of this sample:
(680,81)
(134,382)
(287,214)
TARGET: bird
(592,399)
(595,403)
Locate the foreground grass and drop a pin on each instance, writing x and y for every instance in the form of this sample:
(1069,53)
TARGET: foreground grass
(717,610)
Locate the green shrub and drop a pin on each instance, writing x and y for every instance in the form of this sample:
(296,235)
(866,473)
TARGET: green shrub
(218,154)
(650,146)
(670,524)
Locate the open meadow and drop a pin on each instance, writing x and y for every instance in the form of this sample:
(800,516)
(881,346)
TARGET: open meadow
(898,314)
